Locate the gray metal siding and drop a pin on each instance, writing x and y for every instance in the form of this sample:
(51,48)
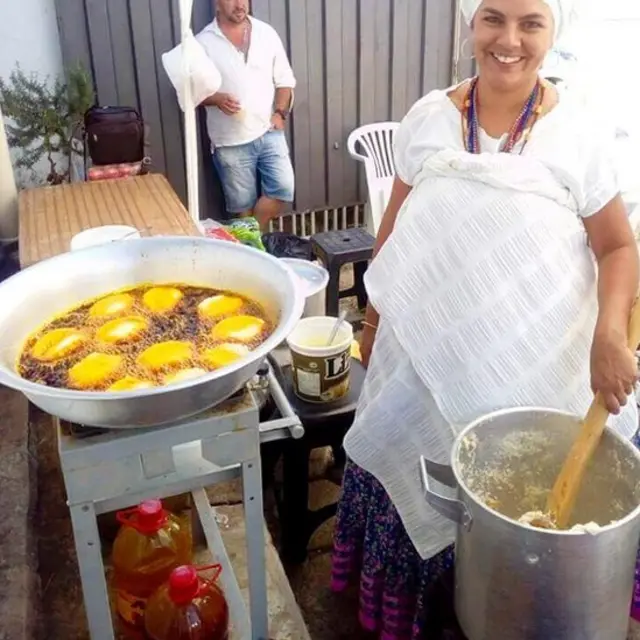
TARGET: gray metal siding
(356,61)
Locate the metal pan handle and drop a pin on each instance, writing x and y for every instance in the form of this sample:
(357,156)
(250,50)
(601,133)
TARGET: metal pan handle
(289,424)
(450,508)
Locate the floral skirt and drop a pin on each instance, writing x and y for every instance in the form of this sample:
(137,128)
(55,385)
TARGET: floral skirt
(370,540)
(402,596)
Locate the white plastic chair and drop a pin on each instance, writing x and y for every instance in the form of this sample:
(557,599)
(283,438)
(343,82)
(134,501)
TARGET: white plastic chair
(372,144)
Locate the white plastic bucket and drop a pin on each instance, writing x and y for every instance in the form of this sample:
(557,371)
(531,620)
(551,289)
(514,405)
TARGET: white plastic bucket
(320,372)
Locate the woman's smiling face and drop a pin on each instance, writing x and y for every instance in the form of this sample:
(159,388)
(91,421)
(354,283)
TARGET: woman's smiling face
(511,39)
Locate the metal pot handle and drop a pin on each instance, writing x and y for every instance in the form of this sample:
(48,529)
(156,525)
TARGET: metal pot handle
(454,510)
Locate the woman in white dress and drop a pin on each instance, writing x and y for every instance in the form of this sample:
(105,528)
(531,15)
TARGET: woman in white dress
(504,275)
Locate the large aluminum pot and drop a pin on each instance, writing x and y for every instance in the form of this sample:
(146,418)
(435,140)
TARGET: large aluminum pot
(514,582)
(34,295)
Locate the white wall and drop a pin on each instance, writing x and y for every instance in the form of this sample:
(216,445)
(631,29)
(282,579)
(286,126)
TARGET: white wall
(29,37)
(606,45)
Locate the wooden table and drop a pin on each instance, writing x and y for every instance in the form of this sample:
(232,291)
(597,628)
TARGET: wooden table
(51,216)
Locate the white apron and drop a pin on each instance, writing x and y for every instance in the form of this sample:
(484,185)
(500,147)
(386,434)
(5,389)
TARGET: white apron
(486,291)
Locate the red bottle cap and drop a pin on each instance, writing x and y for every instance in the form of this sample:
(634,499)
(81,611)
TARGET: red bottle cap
(184,585)
(150,516)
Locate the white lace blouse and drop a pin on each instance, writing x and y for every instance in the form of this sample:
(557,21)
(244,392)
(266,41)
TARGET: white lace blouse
(570,142)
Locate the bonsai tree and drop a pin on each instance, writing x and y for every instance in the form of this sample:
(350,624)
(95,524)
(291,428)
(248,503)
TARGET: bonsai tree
(44,118)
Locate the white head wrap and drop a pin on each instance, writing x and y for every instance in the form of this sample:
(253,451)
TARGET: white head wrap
(564,12)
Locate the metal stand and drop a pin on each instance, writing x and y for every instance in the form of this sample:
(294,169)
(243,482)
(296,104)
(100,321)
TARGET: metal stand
(117,469)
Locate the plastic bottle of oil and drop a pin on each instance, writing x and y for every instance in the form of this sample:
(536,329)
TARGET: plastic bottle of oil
(151,543)
(188,607)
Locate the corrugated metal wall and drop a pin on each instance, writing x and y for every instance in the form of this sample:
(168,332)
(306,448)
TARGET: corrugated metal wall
(356,61)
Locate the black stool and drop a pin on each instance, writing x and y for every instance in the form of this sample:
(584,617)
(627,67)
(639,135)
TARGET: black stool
(337,248)
(325,425)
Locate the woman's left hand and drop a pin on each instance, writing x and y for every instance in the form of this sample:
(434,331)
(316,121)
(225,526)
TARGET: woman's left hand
(614,369)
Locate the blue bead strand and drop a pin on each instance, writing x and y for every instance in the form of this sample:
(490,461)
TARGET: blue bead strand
(471,126)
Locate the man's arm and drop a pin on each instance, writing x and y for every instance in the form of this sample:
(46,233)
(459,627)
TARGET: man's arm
(284,81)
(224,101)
(283,99)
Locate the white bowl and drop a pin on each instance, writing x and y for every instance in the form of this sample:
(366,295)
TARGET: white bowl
(312,278)
(102,235)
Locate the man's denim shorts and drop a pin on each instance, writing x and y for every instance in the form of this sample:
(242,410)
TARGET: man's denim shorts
(263,163)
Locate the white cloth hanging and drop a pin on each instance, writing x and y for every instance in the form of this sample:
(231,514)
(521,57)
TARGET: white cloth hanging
(193,68)
(204,77)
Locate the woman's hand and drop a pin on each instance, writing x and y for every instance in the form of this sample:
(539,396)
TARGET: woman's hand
(367,339)
(614,369)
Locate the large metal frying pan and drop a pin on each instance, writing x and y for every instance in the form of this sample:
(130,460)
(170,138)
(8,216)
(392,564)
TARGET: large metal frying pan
(33,296)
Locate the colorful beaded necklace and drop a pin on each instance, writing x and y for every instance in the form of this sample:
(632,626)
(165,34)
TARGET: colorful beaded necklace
(519,132)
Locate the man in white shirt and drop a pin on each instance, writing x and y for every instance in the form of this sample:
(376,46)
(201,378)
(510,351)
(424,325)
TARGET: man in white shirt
(246,117)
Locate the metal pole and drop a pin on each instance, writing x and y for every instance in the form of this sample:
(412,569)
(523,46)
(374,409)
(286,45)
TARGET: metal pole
(190,129)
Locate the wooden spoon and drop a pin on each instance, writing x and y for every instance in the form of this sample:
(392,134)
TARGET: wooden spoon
(562,498)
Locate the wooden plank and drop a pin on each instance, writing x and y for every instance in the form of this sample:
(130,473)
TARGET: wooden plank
(212,203)
(142,32)
(367,77)
(74,39)
(445,45)
(175,18)
(171,115)
(301,119)
(122,50)
(335,100)
(100,38)
(402,14)
(431,59)
(278,20)
(415,54)
(438,45)
(317,107)
(260,9)
(203,14)
(341,101)
(382,56)
(350,95)
(51,216)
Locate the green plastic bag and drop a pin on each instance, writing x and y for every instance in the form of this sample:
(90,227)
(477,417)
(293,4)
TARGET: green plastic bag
(247,231)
